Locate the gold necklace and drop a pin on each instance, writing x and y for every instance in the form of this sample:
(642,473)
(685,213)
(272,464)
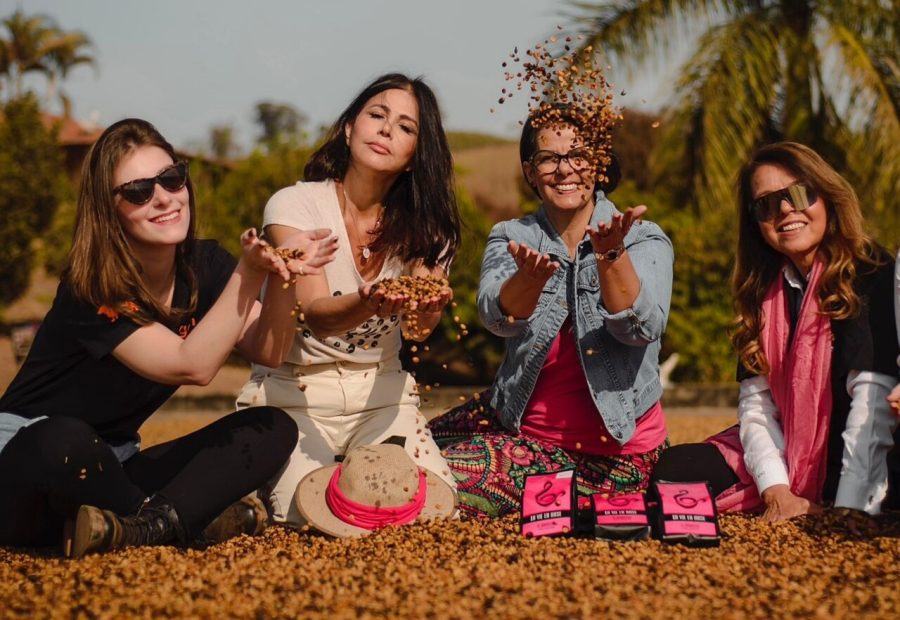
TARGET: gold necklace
(365,251)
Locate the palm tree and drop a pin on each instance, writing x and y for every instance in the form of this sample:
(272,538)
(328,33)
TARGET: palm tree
(26,48)
(821,72)
(66,51)
(36,44)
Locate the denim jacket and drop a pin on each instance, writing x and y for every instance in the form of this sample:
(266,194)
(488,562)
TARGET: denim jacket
(618,352)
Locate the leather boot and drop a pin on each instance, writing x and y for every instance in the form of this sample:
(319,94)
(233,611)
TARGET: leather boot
(246,516)
(96,530)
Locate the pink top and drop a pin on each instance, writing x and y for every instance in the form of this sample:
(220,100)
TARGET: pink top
(562,412)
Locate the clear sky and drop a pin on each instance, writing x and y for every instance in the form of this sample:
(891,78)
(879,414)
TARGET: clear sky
(186,65)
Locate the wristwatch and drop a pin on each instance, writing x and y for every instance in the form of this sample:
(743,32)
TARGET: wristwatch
(611,255)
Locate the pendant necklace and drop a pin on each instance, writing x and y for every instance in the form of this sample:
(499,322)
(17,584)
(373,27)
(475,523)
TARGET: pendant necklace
(365,250)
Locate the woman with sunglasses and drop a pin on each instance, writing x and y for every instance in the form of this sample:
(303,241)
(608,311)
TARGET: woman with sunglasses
(817,356)
(143,307)
(581,294)
(383,180)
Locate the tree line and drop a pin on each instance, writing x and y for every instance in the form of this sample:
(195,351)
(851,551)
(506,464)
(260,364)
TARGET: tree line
(822,73)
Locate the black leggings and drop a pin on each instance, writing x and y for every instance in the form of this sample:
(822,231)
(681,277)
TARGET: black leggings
(695,462)
(52,467)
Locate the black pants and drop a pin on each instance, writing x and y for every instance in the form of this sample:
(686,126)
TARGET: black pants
(53,466)
(695,462)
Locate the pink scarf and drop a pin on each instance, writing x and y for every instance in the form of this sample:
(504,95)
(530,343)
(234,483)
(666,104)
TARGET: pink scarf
(372,517)
(800,383)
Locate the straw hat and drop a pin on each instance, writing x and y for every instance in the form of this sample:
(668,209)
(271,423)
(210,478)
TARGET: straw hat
(377,476)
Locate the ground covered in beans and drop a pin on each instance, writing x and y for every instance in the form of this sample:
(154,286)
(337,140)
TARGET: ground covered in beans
(811,567)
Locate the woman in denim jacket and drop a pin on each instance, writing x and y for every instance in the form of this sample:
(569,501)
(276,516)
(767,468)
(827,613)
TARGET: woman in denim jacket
(581,292)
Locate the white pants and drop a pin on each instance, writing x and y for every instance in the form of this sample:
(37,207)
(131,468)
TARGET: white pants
(338,407)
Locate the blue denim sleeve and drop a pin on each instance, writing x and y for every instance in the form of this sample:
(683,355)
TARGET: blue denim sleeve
(652,255)
(497,267)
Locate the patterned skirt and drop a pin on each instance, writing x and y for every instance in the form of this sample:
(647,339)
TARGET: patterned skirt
(490,463)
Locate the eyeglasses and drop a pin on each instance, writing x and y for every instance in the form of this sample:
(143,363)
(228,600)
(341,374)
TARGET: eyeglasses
(547,161)
(140,191)
(768,207)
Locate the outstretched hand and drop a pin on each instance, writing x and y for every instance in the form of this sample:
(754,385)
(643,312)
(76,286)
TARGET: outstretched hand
(313,249)
(532,264)
(258,254)
(609,236)
(318,248)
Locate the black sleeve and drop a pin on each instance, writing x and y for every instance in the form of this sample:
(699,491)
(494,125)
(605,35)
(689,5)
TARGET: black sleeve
(101,330)
(742,372)
(868,342)
(98,330)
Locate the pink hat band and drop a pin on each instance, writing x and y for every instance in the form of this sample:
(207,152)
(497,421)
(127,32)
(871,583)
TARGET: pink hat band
(371,517)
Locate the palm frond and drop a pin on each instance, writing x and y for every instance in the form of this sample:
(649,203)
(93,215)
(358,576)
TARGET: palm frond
(725,93)
(629,32)
(66,50)
(870,85)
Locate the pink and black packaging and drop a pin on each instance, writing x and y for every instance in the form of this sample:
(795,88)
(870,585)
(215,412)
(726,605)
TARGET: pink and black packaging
(686,513)
(621,517)
(548,504)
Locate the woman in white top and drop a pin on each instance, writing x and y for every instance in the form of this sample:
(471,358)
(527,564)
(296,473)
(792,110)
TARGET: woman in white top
(383,181)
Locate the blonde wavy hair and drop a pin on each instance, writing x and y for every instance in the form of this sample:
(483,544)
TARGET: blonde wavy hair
(845,248)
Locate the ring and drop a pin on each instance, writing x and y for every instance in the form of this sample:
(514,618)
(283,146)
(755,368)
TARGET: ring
(301,271)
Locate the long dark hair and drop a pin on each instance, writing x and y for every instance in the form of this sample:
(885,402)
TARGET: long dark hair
(421,220)
(845,248)
(528,145)
(102,269)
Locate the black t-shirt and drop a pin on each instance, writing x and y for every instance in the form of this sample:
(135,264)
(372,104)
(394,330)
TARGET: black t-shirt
(70,370)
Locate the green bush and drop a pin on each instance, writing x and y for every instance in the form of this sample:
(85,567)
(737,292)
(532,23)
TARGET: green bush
(58,239)
(701,296)
(32,181)
(230,201)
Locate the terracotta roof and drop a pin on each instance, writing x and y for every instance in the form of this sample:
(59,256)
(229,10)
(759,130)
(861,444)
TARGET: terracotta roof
(71,132)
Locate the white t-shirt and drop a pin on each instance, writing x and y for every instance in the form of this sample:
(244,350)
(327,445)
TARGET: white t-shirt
(307,206)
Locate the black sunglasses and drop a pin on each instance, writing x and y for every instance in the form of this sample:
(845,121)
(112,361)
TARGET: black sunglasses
(768,207)
(140,191)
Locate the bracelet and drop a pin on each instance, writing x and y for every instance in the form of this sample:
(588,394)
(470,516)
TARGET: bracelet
(612,255)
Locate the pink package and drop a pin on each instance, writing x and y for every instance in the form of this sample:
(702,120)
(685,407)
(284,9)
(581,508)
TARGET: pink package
(548,502)
(621,517)
(624,509)
(687,512)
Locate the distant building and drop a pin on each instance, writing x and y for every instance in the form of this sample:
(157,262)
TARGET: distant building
(76,138)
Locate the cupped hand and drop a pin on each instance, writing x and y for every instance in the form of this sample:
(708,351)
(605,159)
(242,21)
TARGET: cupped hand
(318,247)
(379,303)
(434,304)
(258,255)
(782,504)
(610,235)
(531,263)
